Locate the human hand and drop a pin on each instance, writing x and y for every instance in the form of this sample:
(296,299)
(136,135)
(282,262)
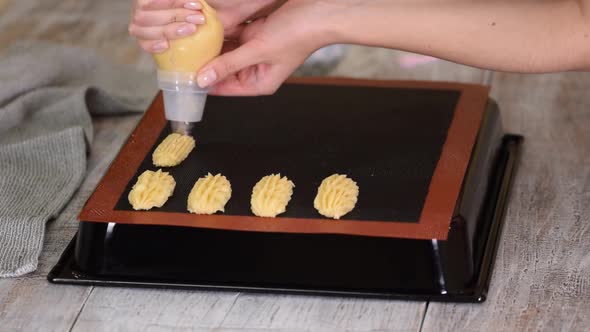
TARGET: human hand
(233,13)
(269,49)
(155,22)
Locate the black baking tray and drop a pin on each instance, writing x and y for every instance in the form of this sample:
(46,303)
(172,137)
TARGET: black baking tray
(457,268)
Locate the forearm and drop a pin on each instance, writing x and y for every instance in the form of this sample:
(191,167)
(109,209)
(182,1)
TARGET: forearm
(520,36)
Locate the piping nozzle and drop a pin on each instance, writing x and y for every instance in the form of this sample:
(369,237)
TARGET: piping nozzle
(184,100)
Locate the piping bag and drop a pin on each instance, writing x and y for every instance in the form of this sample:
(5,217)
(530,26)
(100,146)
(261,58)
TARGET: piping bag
(184,100)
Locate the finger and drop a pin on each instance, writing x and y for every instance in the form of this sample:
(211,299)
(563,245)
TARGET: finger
(234,86)
(229,63)
(154,46)
(148,18)
(170,31)
(167,4)
(254,81)
(248,82)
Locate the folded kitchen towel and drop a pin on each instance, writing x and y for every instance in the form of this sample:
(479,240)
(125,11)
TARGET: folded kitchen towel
(47,95)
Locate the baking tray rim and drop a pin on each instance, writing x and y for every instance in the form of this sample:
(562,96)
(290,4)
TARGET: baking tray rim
(64,272)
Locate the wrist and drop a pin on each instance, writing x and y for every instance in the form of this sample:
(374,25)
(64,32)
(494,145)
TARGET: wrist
(341,23)
(328,21)
(369,22)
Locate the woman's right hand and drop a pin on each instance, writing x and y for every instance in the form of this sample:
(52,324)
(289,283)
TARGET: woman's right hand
(269,49)
(155,22)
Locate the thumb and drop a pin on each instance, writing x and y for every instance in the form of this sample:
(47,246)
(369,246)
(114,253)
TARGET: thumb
(228,63)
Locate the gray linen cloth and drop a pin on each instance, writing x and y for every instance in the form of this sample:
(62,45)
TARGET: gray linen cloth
(47,94)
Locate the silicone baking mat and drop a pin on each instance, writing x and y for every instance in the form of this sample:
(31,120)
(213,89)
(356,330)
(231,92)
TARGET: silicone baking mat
(406,144)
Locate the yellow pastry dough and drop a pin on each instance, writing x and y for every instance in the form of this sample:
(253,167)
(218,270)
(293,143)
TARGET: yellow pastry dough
(271,195)
(209,194)
(152,189)
(173,150)
(337,195)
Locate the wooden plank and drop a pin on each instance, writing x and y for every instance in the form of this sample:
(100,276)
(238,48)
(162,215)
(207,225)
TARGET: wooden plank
(262,312)
(36,305)
(541,279)
(114,309)
(128,309)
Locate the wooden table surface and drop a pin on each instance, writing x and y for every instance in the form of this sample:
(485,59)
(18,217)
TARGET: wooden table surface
(541,279)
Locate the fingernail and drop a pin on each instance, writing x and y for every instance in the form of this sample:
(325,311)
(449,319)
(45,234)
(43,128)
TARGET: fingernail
(186,29)
(207,78)
(160,46)
(192,5)
(196,19)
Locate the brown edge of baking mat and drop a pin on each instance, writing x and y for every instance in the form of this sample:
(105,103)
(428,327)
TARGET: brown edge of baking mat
(435,218)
